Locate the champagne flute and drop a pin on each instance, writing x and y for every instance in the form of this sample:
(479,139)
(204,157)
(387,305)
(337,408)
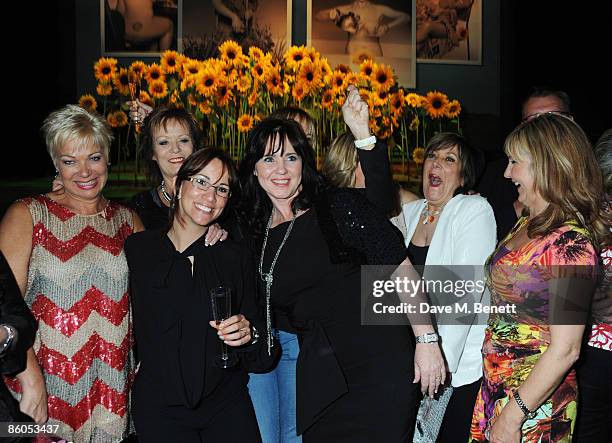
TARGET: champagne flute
(221,300)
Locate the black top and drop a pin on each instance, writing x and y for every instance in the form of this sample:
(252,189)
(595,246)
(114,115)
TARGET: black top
(379,190)
(171,310)
(317,283)
(153,213)
(417,254)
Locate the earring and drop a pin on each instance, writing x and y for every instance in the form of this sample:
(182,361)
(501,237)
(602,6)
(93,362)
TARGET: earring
(255,173)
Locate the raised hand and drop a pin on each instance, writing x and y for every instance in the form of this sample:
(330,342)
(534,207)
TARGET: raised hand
(355,113)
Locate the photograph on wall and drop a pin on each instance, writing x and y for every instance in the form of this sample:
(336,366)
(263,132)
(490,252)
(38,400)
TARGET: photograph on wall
(265,24)
(382,31)
(449,31)
(139,28)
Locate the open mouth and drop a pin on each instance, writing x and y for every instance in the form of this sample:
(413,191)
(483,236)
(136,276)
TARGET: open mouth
(90,184)
(203,208)
(281,181)
(434,180)
(176,160)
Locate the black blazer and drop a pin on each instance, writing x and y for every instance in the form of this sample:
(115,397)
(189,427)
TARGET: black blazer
(171,310)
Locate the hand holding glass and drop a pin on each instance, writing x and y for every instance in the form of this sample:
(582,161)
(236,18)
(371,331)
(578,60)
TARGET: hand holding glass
(221,300)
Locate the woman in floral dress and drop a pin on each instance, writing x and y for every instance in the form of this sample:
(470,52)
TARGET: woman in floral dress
(529,391)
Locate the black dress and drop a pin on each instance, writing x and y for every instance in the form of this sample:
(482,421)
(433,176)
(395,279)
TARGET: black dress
(179,393)
(153,213)
(354,382)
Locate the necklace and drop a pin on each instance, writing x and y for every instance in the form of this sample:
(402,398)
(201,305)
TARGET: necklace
(167,196)
(268,277)
(430,215)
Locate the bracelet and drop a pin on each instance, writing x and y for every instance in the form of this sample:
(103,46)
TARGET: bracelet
(429,337)
(365,141)
(521,404)
(10,336)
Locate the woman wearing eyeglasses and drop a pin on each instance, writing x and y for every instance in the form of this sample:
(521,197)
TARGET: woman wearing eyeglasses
(171,276)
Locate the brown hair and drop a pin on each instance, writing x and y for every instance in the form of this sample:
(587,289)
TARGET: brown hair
(565,173)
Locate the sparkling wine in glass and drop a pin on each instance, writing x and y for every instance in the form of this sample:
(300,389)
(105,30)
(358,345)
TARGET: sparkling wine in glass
(221,300)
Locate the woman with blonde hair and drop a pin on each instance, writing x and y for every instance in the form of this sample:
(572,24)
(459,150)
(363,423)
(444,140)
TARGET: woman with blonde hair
(529,391)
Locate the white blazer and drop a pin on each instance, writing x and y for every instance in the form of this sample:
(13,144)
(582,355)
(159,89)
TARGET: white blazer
(465,235)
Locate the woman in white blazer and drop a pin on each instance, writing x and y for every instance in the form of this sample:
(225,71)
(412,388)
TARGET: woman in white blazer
(450,228)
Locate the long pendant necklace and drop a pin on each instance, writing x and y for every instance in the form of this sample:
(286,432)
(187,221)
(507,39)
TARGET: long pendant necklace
(268,277)
(429,215)
(167,196)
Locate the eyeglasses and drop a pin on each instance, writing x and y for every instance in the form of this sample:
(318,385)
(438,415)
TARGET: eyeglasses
(538,114)
(202,184)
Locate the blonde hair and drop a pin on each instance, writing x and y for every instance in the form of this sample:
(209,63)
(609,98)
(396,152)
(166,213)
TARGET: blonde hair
(566,175)
(73,123)
(341,161)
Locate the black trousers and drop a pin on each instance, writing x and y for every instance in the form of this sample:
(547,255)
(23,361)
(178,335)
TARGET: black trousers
(594,421)
(223,416)
(458,417)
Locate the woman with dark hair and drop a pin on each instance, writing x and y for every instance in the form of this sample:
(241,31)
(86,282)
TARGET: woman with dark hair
(171,276)
(354,382)
(546,268)
(169,135)
(449,228)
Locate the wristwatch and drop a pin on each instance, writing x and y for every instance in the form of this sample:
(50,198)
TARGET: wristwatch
(521,404)
(429,337)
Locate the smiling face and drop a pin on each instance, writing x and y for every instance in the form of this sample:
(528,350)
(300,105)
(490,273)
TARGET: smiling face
(82,169)
(198,207)
(279,172)
(521,174)
(441,175)
(171,146)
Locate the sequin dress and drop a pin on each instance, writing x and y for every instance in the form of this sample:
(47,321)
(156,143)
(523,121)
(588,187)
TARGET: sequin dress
(78,291)
(514,342)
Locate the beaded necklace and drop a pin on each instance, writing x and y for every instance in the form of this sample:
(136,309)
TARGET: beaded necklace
(429,215)
(167,196)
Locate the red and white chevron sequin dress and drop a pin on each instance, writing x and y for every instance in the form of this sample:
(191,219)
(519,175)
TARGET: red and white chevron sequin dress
(78,291)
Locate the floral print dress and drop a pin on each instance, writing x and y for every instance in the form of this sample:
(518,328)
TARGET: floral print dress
(515,342)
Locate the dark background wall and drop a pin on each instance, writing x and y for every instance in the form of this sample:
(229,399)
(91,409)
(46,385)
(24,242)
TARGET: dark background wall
(525,42)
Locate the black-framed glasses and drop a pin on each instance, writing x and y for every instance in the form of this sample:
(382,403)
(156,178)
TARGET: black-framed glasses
(538,114)
(202,184)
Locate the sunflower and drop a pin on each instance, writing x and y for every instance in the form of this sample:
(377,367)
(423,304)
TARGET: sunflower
(313,55)
(258,71)
(326,70)
(253,98)
(382,77)
(231,52)
(243,83)
(397,102)
(122,119)
(299,91)
(342,68)
(111,118)
(171,61)
(88,102)
(437,104)
(122,82)
(191,67)
(414,124)
(245,123)
(366,69)
(295,56)
(338,81)
(188,82)
(382,96)
(137,69)
(454,109)
(362,56)
(352,79)
(154,73)
(310,76)
(206,83)
(327,99)
(104,69)
(255,53)
(205,108)
(274,82)
(158,89)
(104,89)
(418,155)
(145,98)
(413,100)
(223,94)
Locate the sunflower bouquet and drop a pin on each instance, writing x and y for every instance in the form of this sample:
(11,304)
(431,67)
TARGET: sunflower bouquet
(230,93)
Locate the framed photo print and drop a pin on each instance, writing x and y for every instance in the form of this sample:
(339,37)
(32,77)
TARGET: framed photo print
(381,30)
(265,24)
(449,31)
(139,28)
